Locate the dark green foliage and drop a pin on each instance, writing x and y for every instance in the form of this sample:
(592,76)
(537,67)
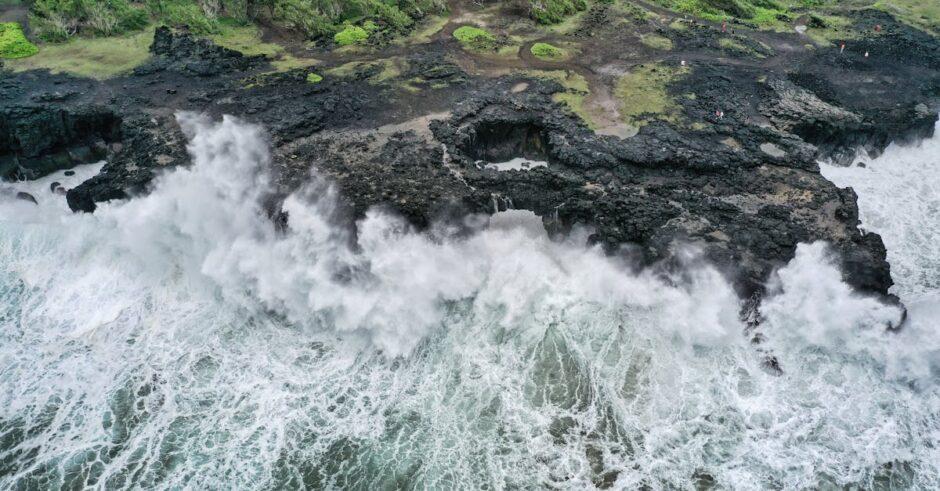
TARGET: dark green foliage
(554,11)
(57,20)
(185,13)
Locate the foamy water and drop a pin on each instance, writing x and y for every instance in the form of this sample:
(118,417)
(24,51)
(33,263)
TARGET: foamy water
(178,340)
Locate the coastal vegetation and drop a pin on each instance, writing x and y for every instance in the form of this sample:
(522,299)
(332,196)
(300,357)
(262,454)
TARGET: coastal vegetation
(13,43)
(60,20)
(475,38)
(545,51)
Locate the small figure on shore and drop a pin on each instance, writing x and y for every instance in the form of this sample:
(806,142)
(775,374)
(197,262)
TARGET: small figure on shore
(866,54)
(682,63)
(877,27)
(724,26)
(841,47)
(719,114)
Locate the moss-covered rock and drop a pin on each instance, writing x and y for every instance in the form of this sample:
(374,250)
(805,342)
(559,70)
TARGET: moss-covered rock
(13,43)
(314,78)
(643,95)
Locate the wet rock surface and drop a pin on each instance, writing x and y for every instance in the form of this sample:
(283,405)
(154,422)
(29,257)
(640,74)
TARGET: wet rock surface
(742,185)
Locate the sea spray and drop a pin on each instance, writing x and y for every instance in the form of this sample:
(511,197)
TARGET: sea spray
(179,340)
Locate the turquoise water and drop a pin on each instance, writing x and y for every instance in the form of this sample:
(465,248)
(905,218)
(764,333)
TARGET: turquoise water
(177,341)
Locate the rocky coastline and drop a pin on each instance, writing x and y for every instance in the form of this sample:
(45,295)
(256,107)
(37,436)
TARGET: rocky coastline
(735,176)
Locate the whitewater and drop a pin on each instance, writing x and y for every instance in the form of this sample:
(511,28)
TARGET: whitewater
(182,340)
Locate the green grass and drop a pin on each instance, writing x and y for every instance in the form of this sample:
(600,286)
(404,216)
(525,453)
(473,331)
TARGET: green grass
(351,35)
(245,38)
(643,97)
(389,68)
(314,78)
(657,42)
(475,38)
(924,14)
(13,43)
(735,46)
(91,57)
(545,51)
(576,90)
(425,31)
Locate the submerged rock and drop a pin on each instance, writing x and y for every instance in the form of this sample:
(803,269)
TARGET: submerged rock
(26,197)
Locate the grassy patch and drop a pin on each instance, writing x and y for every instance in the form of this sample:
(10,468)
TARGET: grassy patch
(824,30)
(679,25)
(643,97)
(545,51)
(657,42)
(575,92)
(425,31)
(245,38)
(314,78)
(289,62)
(95,57)
(924,14)
(380,71)
(634,12)
(13,43)
(351,35)
(475,38)
(735,46)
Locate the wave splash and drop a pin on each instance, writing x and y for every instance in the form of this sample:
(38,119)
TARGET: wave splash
(180,340)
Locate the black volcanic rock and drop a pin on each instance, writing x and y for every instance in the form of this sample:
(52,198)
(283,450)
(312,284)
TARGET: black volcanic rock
(743,188)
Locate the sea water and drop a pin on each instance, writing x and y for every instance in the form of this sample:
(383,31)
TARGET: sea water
(178,340)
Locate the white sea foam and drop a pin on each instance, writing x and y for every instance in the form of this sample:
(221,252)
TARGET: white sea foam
(179,340)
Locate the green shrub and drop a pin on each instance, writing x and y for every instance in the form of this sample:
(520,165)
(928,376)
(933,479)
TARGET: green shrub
(303,16)
(350,35)
(475,38)
(314,78)
(13,43)
(183,13)
(57,20)
(546,51)
(554,11)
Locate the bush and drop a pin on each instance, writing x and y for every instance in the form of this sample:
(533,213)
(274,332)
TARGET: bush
(13,43)
(554,11)
(184,13)
(303,16)
(351,35)
(314,78)
(475,38)
(57,20)
(546,51)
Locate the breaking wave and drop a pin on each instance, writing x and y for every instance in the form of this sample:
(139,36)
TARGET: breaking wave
(180,340)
